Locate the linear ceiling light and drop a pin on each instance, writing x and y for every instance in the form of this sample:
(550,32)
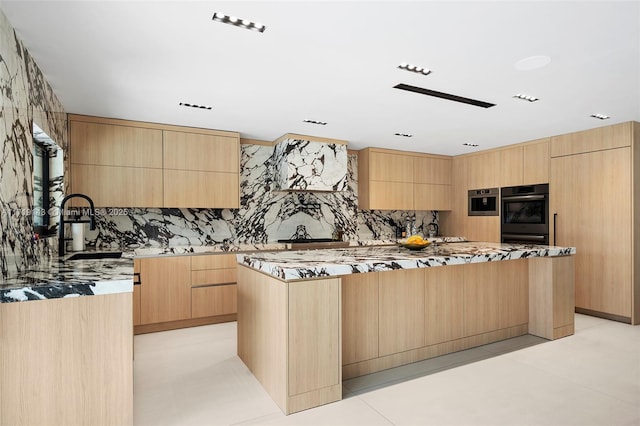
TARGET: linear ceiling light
(406,135)
(414,68)
(322,123)
(600,116)
(195,106)
(442,95)
(242,23)
(526,97)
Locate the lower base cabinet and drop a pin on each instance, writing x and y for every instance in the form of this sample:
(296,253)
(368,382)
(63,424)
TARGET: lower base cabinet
(184,291)
(67,361)
(214,300)
(396,317)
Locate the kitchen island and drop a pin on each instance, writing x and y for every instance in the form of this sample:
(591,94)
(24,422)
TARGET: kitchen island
(66,350)
(308,319)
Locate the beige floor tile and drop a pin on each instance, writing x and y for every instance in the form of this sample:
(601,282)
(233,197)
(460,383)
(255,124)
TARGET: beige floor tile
(193,377)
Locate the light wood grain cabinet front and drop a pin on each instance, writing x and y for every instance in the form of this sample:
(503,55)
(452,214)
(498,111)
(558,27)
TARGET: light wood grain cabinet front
(444,304)
(401,311)
(536,162)
(391,167)
(587,191)
(213,278)
(116,164)
(165,289)
(481,298)
(601,138)
(359,317)
(397,180)
(114,145)
(214,300)
(201,170)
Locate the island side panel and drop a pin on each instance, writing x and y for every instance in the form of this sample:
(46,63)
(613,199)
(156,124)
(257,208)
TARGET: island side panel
(262,330)
(315,343)
(289,336)
(92,385)
(551,296)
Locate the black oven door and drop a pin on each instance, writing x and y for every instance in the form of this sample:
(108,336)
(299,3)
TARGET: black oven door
(525,214)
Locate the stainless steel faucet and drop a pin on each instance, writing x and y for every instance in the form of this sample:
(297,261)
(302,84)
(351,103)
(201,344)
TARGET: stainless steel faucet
(92,219)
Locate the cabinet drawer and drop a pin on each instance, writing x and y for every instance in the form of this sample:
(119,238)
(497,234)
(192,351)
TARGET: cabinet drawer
(212,301)
(213,276)
(215,261)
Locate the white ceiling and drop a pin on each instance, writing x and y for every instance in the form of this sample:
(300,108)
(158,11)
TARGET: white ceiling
(336,61)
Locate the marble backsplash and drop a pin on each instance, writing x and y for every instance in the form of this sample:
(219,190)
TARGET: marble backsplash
(264,215)
(26,98)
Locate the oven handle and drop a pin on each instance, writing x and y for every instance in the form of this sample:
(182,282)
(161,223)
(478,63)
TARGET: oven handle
(523,197)
(555,219)
(522,237)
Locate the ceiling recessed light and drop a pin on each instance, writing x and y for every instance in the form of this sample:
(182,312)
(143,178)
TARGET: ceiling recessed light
(470,144)
(600,116)
(532,63)
(406,135)
(322,123)
(526,97)
(195,105)
(242,23)
(414,68)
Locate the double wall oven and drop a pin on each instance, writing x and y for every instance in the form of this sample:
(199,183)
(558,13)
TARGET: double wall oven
(525,214)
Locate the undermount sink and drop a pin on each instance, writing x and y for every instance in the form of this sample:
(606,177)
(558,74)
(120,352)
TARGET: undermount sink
(95,255)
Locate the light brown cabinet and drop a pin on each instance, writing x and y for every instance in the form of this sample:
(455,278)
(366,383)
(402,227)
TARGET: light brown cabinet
(121,163)
(598,139)
(165,292)
(536,162)
(593,204)
(184,291)
(359,317)
(401,311)
(397,180)
(522,164)
(444,290)
(395,317)
(213,281)
(117,165)
(201,170)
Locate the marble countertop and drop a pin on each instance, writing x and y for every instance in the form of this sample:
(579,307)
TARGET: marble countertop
(301,264)
(54,278)
(258,247)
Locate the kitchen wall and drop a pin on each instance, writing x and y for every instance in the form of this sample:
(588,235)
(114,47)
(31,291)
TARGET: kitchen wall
(264,215)
(26,97)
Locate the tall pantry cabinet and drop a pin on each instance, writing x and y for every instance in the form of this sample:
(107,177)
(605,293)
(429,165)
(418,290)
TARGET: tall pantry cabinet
(594,206)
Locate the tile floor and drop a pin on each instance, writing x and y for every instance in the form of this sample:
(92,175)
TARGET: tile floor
(193,377)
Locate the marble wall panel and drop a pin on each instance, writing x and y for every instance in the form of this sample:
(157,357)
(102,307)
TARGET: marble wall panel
(25,95)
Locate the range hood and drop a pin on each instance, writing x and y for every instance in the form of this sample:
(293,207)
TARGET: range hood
(308,163)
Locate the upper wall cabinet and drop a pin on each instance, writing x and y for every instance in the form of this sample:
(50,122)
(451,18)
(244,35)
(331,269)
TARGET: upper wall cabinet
(117,165)
(609,137)
(522,164)
(120,163)
(397,180)
(535,167)
(201,170)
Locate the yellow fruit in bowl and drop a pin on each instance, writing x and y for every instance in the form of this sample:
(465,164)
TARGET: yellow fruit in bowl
(416,239)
